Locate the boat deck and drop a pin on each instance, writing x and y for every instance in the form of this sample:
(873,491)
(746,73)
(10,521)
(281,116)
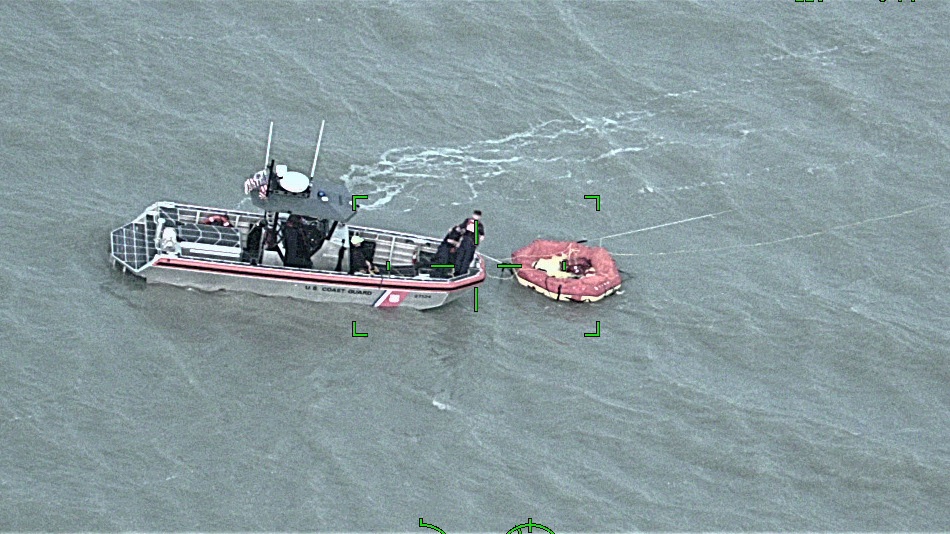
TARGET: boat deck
(134,244)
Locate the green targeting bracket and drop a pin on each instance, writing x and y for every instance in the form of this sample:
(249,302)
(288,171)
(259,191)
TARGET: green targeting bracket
(564,265)
(443,266)
(476,231)
(529,525)
(476,300)
(594,197)
(359,197)
(433,527)
(366,334)
(388,266)
(509,265)
(596,333)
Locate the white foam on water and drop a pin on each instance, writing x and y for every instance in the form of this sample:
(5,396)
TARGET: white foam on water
(442,406)
(551,148)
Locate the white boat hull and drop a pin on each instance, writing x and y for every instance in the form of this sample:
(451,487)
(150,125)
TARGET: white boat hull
(135,248)
(315,291)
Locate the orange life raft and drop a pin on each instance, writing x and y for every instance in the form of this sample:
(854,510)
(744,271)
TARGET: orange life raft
(565,270)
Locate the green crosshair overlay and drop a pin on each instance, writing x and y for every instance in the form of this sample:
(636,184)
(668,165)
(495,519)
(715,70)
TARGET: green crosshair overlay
(433,527)
(359,197)
(476,299)
(517,528)
(529,525)
(509,265)
(443,266)
(594,197)
(593,334)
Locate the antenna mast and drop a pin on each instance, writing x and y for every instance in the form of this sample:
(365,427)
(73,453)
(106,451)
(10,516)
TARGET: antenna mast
(317,153)
(267,154)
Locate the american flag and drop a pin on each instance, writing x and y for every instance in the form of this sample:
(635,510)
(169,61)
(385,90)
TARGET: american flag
(258,180)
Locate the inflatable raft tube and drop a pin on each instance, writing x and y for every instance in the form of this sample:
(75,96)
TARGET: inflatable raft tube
(565,270)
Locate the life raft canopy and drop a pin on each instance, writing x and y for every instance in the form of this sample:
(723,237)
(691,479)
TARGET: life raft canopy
(566,270)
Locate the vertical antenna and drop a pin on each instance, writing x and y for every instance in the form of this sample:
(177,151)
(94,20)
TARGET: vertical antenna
(267,154)
(317,153)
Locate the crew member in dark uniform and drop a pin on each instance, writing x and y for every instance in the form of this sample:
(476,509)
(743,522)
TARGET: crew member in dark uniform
(359,257)
(252,250)
(449,246)
(476,216)
(297,251)
(466,249)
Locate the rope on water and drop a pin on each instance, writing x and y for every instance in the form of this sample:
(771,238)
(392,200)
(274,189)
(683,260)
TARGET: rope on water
(600,240)
(486,256)
(731,247)
(785,239)
(752,245)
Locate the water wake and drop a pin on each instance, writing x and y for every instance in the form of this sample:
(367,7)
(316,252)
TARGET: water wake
(551,148)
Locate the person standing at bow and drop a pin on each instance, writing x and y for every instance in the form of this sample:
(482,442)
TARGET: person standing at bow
(476,216)
(467,244)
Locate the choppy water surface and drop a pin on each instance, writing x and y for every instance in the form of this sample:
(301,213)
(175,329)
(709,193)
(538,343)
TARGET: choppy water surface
(781,365)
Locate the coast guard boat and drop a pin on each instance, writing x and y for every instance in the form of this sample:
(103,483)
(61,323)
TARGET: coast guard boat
(301,245)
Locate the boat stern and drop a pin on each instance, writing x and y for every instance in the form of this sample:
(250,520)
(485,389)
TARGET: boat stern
(133,244)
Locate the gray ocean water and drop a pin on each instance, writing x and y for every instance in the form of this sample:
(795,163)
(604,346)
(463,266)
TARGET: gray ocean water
(782,365)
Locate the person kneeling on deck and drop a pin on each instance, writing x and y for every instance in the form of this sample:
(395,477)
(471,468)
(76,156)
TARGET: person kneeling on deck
(360,257)
(445,254)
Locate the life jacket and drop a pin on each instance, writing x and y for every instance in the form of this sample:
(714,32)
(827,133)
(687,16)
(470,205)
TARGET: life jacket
(217,220)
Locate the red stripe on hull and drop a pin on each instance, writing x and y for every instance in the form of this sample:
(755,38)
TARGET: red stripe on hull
(392,299)
(261,272)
